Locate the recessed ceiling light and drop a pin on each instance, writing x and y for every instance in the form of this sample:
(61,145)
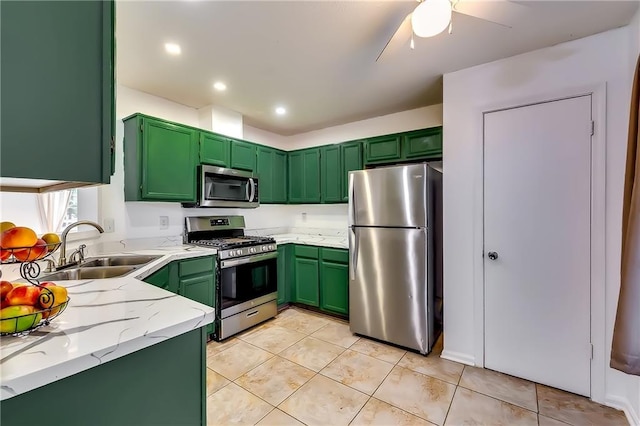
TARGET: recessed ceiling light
(172,48)
(281,110)
(219,86)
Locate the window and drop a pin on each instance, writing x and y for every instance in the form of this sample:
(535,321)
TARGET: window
(72,211)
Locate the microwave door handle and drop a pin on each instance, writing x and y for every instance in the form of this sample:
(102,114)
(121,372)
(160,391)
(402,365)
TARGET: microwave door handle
(247,192)
(253,189)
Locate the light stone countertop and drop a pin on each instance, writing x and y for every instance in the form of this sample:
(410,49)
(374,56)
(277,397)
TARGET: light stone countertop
(106,319)
(340,242)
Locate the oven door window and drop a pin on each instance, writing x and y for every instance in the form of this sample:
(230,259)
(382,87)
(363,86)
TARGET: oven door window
(227,188)
(248,281)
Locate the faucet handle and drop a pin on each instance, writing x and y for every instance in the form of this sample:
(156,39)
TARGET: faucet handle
(79,253)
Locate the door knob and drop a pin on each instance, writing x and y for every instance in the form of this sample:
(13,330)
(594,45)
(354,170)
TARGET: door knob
(493,255)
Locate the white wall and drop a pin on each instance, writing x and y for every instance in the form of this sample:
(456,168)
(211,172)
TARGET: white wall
(589,61)
(420,118)
(264,137)
(221,120)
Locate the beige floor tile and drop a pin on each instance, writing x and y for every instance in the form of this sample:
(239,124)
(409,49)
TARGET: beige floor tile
(377,412)
(502,386)
(472,408)
(275,380)
(278,418)
(358,371)
(214,347)
(322,401)
(312,353)
(274,339)
(416,393)
(576,410)
(237,360)
(233,405)
(378,350)
(336,333)
(302,322)
(548,421)
(433,366)
(215,381)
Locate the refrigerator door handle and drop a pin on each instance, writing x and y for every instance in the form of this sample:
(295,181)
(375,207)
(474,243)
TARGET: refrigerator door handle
(352,201)
(353,252)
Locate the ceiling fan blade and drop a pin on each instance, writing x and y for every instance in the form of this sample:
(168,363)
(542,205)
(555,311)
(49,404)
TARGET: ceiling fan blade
(400,38)
(501,12)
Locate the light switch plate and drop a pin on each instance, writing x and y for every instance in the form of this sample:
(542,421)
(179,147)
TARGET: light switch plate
(109,225)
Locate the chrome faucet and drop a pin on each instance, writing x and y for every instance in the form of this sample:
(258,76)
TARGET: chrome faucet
(63,243)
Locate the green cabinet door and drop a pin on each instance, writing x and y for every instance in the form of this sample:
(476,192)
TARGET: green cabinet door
(383,149)
(311,168)
(161,278)
(351,155)
(57,107)
(243,155)
(279,164)
(265,173)
(331,176)
(306,281)
(201,289)
(283,282)
(296,177)
(169,155)
(334,287)
(214,150)
(423,143)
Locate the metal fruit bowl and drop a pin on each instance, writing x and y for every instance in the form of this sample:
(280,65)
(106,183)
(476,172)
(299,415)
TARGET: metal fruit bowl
(27,254)
(24,324)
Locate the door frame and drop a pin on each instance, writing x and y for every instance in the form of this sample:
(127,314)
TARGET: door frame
(598,206)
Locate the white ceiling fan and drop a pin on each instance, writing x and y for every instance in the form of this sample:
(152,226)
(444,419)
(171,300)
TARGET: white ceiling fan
(431,17)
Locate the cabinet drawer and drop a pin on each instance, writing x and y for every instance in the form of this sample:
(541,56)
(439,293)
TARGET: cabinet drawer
(335,255)
(306,251)
(196,266)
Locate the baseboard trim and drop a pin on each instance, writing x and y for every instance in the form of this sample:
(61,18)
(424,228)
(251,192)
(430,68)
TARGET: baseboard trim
(623,404)
(460,357)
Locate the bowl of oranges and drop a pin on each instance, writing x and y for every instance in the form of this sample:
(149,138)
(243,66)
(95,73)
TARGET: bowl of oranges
(22,244)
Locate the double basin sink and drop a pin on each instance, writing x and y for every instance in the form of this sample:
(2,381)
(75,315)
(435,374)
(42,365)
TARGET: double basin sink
(101,267)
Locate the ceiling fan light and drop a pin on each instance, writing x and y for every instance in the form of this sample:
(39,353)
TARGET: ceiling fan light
(431,17)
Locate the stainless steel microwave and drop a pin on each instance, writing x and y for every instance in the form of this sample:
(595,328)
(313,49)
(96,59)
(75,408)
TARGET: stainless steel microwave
(222,187)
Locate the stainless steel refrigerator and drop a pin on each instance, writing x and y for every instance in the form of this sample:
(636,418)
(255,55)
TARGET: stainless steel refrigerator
(395,248)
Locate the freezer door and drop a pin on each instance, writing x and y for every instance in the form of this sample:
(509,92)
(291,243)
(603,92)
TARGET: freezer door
(388,295)
(389,196)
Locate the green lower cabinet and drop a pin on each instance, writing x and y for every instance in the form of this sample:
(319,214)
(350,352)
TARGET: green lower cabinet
(334,287)
(306,281)
(330,166)
(243,155)
(351,156)
(423,143)
(214,150)
(163,384)
(162,278)
(160,160)
(283,275)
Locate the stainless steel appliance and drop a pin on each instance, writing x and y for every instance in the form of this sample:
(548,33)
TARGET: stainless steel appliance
(222,187)
(246,285)
(395,247)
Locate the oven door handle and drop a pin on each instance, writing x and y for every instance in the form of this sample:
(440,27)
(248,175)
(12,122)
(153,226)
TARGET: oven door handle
(251,259)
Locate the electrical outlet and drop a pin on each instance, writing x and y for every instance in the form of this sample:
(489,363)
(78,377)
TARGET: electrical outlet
(304,217)
(109,224)
(164,222)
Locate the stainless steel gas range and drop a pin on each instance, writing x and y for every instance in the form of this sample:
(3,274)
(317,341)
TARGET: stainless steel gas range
(246,285)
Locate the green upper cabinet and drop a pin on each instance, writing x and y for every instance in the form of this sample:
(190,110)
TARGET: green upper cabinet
(383,149)
(243,155)
(330,166)
(214,150)
(160,160)
(423,143)
(272,175)
(57,104)
(304,176)
(351,153)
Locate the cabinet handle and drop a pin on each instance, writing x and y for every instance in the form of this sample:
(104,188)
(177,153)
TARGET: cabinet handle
(250,314)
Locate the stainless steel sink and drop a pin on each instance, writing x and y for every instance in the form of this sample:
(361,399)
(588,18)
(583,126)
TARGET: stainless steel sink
(117,261)
(87,273)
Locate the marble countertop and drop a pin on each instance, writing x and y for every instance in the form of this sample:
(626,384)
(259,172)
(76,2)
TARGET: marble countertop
(106,319)
(337,241)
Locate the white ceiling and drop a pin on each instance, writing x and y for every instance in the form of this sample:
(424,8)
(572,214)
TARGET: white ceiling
(319,58)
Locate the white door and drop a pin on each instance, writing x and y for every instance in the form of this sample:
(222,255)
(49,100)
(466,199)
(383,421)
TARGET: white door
(537,187)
